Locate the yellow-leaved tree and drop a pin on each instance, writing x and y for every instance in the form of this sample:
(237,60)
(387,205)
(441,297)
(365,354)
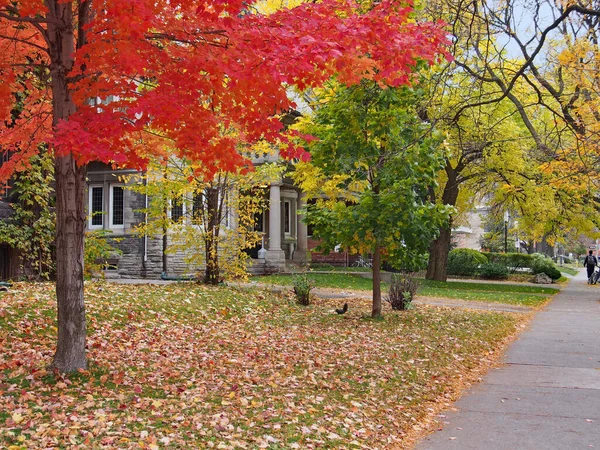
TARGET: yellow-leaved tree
(210,222)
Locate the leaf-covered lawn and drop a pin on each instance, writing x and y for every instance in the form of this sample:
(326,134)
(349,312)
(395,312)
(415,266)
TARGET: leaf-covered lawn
(513,294)
(185,366)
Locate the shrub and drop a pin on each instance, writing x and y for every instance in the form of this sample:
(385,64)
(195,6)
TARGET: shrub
(543,264)
(97,248)
(402,292)
(302,287)
(494,271)
(465,261)
(514,261)
(321,266)
(553,273)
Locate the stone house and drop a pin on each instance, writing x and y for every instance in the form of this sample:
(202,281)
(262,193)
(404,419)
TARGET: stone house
(118,210)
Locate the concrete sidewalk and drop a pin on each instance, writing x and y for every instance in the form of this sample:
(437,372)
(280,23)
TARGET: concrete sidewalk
(546,395)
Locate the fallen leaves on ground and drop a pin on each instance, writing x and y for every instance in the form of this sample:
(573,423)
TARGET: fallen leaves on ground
(188,366)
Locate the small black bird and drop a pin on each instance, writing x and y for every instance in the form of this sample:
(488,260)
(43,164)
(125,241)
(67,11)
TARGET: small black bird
(342,310)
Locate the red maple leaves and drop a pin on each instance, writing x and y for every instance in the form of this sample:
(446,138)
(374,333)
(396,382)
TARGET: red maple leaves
(195,79)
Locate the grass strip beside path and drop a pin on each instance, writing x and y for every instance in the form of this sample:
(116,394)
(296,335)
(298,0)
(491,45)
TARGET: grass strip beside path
(512,294)
(568,270)
(188,366)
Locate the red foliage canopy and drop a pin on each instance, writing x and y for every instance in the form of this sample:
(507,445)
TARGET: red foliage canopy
(192,78)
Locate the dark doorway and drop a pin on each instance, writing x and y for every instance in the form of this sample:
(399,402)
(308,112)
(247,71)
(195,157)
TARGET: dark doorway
(259,225)
(4,262)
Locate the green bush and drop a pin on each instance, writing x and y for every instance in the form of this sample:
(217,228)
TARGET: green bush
(543,264)
(554,273)
(494,271)
(465,261)
(514,261)
(302,287)
(402,292)
(97,248)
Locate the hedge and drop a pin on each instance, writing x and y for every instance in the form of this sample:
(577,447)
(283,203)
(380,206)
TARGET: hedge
(465,262)
(494,271)
(513,261)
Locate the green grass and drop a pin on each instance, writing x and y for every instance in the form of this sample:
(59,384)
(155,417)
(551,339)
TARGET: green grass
(492,287)
(568,270)
(182,366)
(323,280)
(485,293)
(513,294)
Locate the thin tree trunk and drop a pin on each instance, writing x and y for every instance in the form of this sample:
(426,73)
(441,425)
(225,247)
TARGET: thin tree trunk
(165,231)
(376,310)
(211,274)
(165,243)
(70,210)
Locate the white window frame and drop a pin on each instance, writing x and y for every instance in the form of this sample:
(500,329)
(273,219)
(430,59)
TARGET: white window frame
(111,206)
(183,209)
(91,188)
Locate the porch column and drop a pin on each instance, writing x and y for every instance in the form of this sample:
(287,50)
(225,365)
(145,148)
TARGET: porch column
(275,255)
(301,254)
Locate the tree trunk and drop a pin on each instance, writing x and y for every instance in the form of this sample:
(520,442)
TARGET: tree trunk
(70,209)
(439,249)
(165,242)
(376,311)
(165,231)
(437,269)
(211,274)
(70,224)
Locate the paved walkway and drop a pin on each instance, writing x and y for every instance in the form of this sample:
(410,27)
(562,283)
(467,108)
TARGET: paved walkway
(546,395)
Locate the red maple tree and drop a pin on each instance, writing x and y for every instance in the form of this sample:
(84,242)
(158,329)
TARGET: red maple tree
(122,81)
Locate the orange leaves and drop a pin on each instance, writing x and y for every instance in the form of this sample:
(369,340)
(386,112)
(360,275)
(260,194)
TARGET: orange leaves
(195,73)
(170,373)
(6,94)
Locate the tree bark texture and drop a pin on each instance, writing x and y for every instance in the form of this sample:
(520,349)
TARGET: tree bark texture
(211,274)
(70,224)
(376,310)
(70,210)
(437,267)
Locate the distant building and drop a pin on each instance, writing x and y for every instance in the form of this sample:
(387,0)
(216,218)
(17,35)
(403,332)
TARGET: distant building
(114,208)
(471,234)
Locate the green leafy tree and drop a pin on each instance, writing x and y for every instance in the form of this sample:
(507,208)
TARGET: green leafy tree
(372,163)
(31,229)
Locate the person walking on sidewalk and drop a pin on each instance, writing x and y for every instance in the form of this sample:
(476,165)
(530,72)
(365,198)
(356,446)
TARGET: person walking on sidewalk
(590,262)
